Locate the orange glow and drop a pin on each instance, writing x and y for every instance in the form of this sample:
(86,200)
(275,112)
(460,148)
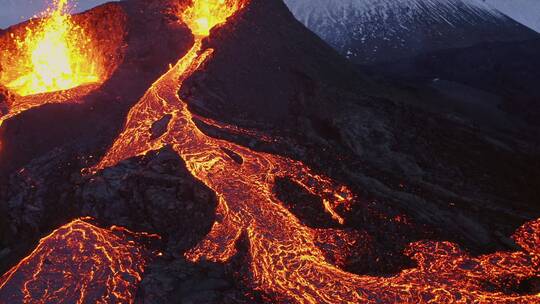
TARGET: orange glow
(55,55)
(60,58)
(285,259)
(203,15)
(78,263)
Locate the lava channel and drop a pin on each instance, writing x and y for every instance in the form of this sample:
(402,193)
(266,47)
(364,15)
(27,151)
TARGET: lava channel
(78,263)
(285,261)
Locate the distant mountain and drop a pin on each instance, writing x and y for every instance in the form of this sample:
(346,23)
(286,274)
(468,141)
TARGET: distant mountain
(384,30)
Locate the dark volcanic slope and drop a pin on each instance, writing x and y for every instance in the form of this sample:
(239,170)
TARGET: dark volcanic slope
(384,30)
(508,70)
(45,149)
(276,72)
(93,120)
(441,171)
(417,174)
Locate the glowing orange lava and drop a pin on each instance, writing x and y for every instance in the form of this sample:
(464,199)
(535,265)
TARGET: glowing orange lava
(77,263)
(202,16)
(285,259)
(59,58)
(55,55)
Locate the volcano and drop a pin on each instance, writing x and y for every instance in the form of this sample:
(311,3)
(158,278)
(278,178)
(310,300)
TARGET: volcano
(376,31)
(258,166)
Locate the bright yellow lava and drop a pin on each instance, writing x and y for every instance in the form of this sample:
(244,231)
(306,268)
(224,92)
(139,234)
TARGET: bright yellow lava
(204,15)
(54,56)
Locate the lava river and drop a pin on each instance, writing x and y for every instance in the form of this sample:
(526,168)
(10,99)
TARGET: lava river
(285,261)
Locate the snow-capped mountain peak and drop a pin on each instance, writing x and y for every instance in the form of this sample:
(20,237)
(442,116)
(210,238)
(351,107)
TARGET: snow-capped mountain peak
(402,9)
(381,30)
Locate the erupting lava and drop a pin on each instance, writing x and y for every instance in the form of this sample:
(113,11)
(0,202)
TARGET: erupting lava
(77,263)
(80,263)
(202,16)
(54,55)
(59,58)
(285,261)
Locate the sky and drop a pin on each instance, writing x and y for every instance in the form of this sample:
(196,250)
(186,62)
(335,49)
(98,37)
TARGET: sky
(15,11)
(524,11)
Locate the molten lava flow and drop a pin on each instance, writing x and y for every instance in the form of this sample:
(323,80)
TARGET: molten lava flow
(56,55)
(202,16)
(77,263)
(285,259)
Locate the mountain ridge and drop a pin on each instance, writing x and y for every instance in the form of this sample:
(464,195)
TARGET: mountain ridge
(385,30)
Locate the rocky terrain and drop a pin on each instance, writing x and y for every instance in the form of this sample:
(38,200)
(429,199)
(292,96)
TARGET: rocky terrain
(501,77)
(416,173)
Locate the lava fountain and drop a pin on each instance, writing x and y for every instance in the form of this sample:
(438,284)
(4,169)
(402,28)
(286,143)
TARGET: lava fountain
(78,263)
(59,58)
(285,261)
(202,16)
(56,54)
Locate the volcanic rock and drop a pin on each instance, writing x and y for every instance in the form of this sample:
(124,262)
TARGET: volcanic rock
(92,121)
(415,173)
(5,100)
(44,150)
(155,194)
(439,169)
(500,78)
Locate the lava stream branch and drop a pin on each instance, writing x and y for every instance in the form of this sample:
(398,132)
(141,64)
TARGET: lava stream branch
(285,260)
